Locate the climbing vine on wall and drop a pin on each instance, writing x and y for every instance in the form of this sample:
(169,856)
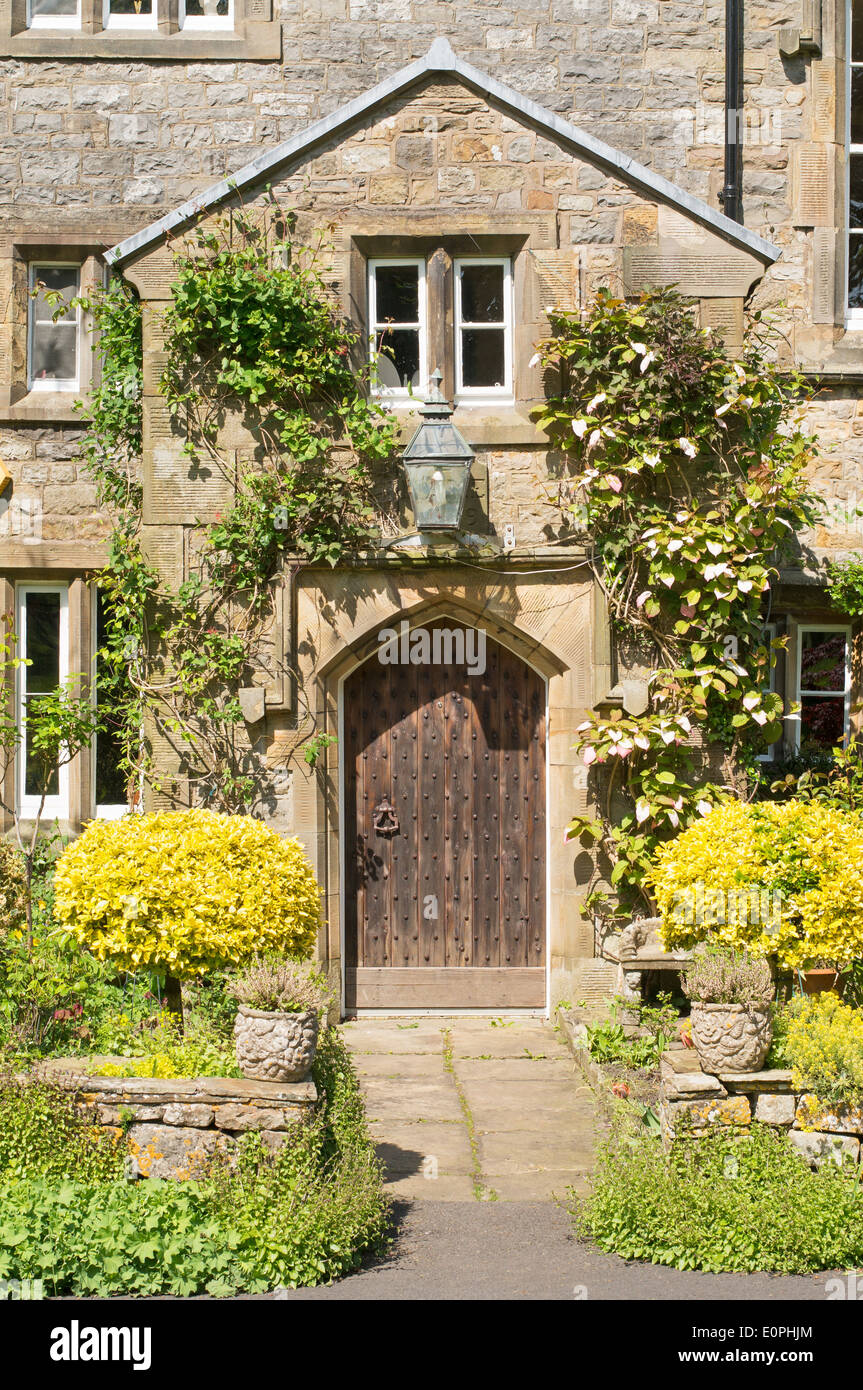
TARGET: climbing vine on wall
(250,336)
(689,478)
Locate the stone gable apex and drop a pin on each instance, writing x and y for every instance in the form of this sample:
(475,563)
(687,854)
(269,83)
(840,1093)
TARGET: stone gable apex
(441,60)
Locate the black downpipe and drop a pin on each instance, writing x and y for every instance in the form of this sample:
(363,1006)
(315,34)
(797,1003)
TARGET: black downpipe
(731,196)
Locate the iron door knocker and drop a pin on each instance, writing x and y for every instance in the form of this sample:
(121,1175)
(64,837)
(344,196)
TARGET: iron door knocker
(384,819)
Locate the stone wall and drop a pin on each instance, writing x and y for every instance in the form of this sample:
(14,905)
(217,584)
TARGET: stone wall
(693,1103)
(173,1127)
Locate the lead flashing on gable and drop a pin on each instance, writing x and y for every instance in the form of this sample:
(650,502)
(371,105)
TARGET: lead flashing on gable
(441,59)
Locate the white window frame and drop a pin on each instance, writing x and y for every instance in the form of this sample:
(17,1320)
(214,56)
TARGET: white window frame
(106,810)
(484,395)
(400,395)
(47,21)
(771,632)
(129,21)
(853,315)
(844,695)
(208,22)
(53,383)
(56,807)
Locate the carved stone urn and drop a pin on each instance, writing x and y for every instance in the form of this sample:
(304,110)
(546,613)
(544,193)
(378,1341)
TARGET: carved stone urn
(275,1046)
(731,1037)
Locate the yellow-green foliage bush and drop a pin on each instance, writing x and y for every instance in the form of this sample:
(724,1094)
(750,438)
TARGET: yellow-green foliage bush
(776,879)
(824,1046)
(12,888)
(186,892)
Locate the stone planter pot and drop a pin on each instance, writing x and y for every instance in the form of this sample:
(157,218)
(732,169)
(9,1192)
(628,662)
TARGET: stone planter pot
(275,1046)
(731,1037)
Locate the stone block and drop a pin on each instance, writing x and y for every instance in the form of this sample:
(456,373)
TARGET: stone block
(241,1118)
(167,1151)
(680,1084)
(198,1116)
(698,1116)
(775,1110)
(833,1119)
(818,1148)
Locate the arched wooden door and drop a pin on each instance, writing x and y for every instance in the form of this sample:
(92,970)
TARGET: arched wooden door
(445,825)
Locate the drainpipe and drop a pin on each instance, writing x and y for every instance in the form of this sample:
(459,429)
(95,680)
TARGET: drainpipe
(731,195)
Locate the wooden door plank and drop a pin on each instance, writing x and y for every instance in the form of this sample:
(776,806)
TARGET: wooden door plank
(461,738)
(432,783)
(455,987)
(486,816)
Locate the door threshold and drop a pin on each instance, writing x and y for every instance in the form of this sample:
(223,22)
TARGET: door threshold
(351,1014)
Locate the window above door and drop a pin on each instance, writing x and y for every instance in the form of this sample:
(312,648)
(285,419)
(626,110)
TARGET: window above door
(461,316)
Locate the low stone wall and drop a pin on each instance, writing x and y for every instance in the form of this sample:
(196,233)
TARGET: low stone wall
(693,1102)
(174,1127)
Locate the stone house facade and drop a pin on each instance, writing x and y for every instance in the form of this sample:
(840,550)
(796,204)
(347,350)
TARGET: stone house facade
(478,164)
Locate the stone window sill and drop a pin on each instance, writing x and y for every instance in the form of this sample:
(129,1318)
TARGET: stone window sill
(43,407)
(259,41)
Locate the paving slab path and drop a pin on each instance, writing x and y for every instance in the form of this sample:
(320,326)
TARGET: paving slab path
(474,1108)
(480,1124)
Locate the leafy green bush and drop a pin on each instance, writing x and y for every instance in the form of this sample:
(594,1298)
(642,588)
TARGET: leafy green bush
(824,1047)
(43,1134)
(722,1203)
(303,1216)
(120,1238)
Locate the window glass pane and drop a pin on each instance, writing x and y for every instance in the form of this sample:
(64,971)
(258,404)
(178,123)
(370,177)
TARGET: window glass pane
(53,9)
(483,362)
(856,181)
(43,642)
(210,8)
(397,293)
(56,279)
(43,651)
(857,106)
(482,294)
(110,780)
(54,352)
(131,7)
(398,361)
(857,31)
(822,721)
(822,661)
(855,272)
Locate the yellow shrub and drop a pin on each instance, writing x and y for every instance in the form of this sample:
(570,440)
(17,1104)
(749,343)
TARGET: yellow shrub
(186,891)
(783,880)
(825,1049)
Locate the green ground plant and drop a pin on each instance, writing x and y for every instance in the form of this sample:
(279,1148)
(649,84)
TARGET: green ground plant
(721,1203)
(304,1216)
